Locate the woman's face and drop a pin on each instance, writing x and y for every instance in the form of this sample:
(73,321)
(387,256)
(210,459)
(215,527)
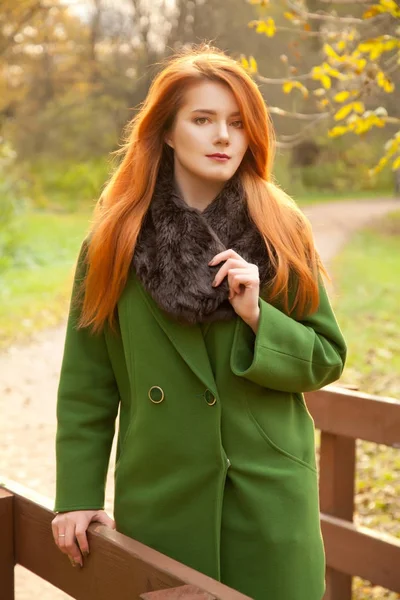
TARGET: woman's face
(209,122)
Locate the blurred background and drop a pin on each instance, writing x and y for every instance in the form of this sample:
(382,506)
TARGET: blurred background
(72,75)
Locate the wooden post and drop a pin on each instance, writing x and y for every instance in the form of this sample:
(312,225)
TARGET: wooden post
(6,545)
(337,483)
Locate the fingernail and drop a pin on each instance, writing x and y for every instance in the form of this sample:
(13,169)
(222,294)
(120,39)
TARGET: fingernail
(86,553)
(73,563)
(211,262)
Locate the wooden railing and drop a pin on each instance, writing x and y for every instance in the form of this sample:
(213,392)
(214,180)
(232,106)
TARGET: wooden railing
(344,416)
(121,568)
(118,567)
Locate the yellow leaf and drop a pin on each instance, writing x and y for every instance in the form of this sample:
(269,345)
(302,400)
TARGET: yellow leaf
(329,51)
(372,12)
(390,6)
(245,62)
(260,27)
(319,92)
(358,107)
(326,81)
(338,130)
(270,27)
(287,87)
(396,164)
(289,16)
(341,45)
(343,112)
(341,96)
(316,72)
(253,65)
(388,86)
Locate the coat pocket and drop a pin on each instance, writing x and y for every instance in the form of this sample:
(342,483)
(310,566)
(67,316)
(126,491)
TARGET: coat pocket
(283,421)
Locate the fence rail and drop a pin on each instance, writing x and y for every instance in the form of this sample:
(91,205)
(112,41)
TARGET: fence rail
(343,417)
(121,568)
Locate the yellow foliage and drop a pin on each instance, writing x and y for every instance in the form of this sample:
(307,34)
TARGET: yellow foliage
(267,26)
(289,16)
(338,130)
(384,6)
(253,65)
(288,86)
(342,113)
(341,96)
(384,82)
(396,164)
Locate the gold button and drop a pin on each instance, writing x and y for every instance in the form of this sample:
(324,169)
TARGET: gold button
(209,397)
(156,394)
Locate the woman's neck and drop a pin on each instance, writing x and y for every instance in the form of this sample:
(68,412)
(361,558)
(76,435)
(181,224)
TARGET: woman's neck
(195,191)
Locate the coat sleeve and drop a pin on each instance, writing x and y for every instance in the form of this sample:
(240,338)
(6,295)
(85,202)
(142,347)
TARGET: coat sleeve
(290,355)
(87,406)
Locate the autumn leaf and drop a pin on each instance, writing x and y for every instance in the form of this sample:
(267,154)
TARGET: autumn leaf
(341,96)
(288,86)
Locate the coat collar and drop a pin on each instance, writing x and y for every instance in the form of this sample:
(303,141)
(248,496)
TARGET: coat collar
(187,339)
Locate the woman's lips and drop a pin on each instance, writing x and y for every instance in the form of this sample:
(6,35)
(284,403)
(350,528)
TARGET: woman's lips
(218,158)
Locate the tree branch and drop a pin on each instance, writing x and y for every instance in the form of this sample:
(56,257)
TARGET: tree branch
(295,115)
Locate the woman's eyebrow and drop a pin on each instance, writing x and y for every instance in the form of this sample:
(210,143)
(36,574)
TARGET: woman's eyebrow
(214,112)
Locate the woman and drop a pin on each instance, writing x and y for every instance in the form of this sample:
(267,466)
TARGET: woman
(204,317)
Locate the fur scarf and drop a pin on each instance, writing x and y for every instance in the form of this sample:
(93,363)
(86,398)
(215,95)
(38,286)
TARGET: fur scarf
(177,241)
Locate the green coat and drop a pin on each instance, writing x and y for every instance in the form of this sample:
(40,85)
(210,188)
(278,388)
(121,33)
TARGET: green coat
(215,457)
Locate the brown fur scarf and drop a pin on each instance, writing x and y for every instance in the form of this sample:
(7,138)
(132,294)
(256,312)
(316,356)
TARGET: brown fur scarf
(177,241)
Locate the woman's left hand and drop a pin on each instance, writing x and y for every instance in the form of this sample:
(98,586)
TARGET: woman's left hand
(244,285)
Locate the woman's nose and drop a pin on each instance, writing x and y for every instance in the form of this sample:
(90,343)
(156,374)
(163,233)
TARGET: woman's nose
(223,132)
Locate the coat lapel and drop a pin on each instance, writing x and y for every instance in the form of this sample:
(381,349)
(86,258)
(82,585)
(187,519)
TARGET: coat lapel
(187,339)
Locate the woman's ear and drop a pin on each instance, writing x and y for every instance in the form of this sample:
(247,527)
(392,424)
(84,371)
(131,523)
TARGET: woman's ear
(168,141)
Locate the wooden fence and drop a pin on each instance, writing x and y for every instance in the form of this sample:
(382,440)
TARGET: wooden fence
(343,417)
(121,568)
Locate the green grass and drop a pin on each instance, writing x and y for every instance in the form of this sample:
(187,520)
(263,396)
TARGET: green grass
(367,301)
(34,292)
(325,196)
(367,290)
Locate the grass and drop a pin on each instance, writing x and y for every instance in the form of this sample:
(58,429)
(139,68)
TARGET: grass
(318,197)
(367,306)
(34,292)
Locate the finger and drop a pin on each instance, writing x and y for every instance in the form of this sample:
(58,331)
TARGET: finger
(81,539)
(224,256)
(58,535)
(226,267)
(240,277)
(105,520)
(69,546)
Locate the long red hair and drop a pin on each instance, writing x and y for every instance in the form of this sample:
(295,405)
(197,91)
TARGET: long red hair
(122,206)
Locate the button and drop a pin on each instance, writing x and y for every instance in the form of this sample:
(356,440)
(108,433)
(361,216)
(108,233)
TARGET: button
(228,463)
(156,394)
(209,397)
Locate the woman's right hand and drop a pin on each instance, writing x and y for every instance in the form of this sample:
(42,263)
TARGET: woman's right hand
(69,532)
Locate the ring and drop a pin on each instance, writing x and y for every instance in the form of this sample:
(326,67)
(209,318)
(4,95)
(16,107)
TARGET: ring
(61,535)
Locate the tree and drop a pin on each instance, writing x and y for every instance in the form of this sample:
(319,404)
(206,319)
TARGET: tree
(356,65)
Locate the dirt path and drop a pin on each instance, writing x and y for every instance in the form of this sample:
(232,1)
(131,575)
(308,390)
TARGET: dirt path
(29,378)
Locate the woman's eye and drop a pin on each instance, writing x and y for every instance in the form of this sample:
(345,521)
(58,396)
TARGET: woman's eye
(238,124)
(197,119)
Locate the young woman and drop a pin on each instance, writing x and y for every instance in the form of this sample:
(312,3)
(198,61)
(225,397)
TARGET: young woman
(199,310)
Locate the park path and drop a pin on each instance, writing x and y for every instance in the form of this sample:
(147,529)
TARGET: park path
(29,378)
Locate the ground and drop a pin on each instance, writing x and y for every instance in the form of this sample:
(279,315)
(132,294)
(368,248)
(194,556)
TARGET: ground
(29,378)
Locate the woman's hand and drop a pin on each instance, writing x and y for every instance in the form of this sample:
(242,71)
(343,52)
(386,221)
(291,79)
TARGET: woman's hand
(69,532)
(244,285)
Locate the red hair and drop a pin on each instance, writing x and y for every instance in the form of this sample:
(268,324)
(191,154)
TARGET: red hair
(120,211)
